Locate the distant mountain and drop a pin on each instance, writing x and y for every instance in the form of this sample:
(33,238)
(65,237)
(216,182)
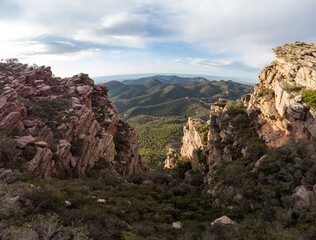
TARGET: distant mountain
(128,98)
(166,79)
(159,110)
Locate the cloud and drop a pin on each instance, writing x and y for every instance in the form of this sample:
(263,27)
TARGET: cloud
(26,49)
(204,62)
(218,31)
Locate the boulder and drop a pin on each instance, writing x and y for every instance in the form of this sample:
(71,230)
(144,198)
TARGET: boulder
(223,220)
(22,142)
(304,199)
(28,123)
(177,225)
(68,204)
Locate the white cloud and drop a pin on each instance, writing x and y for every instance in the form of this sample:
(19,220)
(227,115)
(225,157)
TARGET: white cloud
(241,31)
(204,62)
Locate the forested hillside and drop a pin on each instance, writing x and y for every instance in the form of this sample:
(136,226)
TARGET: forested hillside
(159,110)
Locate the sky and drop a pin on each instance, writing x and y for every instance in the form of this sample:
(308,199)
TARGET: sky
(231,39)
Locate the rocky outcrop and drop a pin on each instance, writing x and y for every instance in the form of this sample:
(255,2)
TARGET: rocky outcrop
(303,198)
(172,158)
(70,122)
(277,102)
(194,140)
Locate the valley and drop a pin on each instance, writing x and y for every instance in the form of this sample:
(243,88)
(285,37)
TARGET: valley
(158,109)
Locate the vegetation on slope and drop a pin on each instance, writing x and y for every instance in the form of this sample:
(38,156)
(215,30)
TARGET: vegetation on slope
(107,206)
(166,79)
(155,92)
(159,110)
(156,135)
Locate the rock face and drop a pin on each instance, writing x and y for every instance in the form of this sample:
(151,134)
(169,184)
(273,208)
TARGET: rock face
(276,112)
(277,102)
(193,142)
(172,158)
(70,122)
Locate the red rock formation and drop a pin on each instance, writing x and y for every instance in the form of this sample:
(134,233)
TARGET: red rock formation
(70,121)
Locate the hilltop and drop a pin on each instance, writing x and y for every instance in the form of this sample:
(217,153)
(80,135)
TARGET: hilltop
(166,79)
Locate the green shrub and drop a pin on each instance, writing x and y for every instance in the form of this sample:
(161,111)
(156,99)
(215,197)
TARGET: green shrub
(291,87)
(268,94)
(7,149)
(76,147)
(309,97)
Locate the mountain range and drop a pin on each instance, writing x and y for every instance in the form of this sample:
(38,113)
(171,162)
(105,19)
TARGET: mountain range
(158,110)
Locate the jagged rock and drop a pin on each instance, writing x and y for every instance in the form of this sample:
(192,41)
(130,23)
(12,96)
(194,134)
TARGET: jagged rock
(192,141)
(41,165)
(278,98)
(172,158)
(76,129)
(223,220)
(22,142)
(10,121)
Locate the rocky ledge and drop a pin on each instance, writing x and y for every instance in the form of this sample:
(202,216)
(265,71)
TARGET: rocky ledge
(282,103)
(56,124)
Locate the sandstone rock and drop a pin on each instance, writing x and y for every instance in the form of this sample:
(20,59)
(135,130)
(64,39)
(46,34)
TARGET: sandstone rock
(10,121)
(26,92)
(41,165)
(100,200)
(283,82)
(172,158)
(304,199)
(192,142)
(86,122)
(223,220)
(83,90)
(177,225)
(41,144)
(4,173)
(22,142)
(28,123)
(33,131)
(296,109)
(3,101)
